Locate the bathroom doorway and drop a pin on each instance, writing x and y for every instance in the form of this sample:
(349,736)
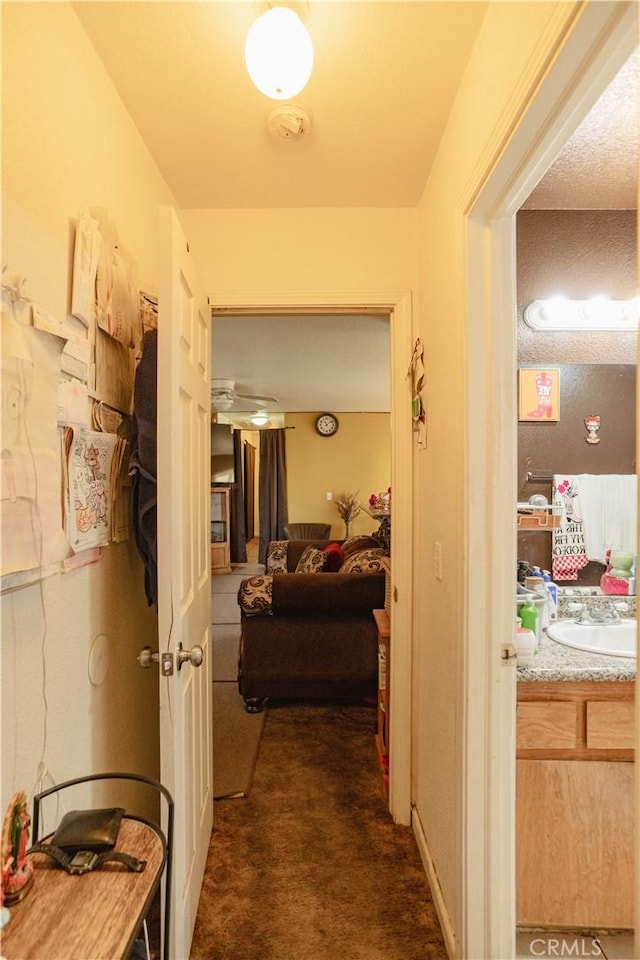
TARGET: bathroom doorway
(590,58)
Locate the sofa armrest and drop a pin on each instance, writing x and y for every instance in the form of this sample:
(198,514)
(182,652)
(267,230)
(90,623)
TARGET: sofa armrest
(327,594)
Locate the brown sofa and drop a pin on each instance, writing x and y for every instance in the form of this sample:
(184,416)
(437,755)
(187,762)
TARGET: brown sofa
(308,635)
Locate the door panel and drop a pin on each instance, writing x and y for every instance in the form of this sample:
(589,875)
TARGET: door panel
(183,574)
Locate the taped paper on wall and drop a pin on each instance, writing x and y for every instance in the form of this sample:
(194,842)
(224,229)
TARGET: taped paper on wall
(31,516)
(86,254)
(88,510)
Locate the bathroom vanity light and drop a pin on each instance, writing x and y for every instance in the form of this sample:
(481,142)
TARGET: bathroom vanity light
(598,313)
(279,54)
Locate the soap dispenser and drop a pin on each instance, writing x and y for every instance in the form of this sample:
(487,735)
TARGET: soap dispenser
(529,616)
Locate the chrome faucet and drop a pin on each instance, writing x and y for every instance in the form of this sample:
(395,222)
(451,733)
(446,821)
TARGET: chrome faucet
(606,614)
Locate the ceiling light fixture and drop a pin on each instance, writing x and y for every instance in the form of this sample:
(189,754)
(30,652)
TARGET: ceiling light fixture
(259,419)
(279,54)
(598,313)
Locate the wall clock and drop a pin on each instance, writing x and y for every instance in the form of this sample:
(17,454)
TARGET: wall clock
(327,424)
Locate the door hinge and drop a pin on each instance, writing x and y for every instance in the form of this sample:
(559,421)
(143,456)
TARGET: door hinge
(507,651)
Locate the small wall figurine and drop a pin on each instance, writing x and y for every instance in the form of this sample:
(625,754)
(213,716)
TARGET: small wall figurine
(17,869)
(592,423)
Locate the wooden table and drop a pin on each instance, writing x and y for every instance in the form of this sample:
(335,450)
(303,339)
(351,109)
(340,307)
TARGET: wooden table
(94,916)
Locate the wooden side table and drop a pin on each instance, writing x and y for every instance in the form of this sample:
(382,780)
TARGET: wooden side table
(382,736)
(96,915)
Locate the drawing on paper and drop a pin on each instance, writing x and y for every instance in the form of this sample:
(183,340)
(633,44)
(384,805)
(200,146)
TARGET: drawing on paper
(89,507)
(31,531)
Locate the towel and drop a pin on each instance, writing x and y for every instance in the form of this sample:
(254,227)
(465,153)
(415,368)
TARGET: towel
(568,545)
(609,505)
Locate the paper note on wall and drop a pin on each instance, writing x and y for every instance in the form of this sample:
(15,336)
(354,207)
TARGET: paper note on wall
(31,515)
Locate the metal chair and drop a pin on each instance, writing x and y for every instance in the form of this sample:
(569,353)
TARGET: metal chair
(165,838)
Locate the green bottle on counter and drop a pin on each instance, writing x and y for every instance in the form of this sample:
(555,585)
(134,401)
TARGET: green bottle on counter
(529,616)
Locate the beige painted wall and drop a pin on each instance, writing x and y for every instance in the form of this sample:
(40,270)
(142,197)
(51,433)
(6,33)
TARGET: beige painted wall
(356,459)
(69,143)
(316,250)
(515,37)
(58,103)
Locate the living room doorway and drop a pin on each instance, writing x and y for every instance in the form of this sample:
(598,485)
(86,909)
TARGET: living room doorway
(393,310)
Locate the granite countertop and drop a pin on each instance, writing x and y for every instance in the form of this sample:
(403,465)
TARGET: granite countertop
(554,661)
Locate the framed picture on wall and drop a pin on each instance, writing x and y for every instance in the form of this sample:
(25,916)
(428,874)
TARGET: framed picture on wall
(539,394)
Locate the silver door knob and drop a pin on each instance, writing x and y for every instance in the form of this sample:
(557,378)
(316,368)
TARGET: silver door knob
(195,656)
(147,657)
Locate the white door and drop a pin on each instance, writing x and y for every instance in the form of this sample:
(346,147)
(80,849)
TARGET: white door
(184,598)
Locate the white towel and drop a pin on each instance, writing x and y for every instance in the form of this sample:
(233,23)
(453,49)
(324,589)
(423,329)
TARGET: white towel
(610,512)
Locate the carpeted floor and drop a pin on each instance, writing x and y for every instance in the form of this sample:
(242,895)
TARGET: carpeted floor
(236,740)
(310,866)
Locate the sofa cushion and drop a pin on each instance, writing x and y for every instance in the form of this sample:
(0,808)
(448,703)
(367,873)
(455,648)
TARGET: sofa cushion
(356,544)
(335,556)
(330,595)
(276,559)
(313,560)
(364,561)
(255,595)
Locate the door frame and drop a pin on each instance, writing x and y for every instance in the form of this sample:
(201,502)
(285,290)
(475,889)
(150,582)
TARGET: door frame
(397,305)
(585,59)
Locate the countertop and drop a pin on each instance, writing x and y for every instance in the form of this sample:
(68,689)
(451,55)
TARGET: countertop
(554,661)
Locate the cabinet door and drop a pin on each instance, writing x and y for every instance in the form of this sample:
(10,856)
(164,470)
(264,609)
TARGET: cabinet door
(547,725)
(574,857)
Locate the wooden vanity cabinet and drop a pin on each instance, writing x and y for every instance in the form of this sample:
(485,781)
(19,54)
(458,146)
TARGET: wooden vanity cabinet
(575,804)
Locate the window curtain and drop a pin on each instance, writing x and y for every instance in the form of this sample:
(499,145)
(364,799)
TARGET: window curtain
(249,490)
(238,539)
(272,489)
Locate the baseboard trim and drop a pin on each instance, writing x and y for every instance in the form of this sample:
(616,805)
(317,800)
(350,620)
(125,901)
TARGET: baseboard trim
(434,883)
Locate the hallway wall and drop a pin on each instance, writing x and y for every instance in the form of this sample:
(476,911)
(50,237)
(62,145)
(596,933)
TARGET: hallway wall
(514,40)
(68,143)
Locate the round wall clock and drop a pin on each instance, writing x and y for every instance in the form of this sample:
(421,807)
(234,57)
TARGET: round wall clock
(327,424)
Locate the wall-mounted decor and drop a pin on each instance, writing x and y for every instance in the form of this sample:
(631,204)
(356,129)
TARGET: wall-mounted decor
(539,394)
(592,423)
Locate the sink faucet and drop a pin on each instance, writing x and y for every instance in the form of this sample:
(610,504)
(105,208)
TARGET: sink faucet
(601,615)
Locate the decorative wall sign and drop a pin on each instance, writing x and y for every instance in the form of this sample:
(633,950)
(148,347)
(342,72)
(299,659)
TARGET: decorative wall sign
(539,394)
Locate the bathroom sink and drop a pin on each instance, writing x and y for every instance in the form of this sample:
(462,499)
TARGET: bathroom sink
(615,639)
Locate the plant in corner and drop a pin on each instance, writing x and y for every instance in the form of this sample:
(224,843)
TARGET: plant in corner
(348,507)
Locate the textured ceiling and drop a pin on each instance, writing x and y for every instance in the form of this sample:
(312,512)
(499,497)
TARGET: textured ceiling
(598,167)
(337,363)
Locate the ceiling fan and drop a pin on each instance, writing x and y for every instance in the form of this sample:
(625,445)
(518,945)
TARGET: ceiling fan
(224,397)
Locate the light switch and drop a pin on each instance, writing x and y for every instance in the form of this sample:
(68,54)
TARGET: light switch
(329,495)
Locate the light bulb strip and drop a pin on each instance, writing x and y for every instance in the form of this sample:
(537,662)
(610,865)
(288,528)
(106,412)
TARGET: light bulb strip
(598,313)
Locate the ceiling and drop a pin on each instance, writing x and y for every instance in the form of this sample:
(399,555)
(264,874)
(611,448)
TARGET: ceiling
(379,67)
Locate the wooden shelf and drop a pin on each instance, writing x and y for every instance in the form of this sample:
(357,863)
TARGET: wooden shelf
(96,915)
(220,530)
(382,736)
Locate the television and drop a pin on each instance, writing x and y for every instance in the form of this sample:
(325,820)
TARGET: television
(222,462)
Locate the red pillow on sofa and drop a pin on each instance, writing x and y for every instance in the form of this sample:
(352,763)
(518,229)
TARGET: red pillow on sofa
(335,557)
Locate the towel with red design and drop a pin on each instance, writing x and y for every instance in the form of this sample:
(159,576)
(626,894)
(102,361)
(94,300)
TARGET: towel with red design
(568,546)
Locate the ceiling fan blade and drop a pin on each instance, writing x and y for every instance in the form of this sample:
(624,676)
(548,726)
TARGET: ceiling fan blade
(249,396)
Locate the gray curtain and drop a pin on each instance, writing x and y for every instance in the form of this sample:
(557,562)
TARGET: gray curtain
(272,489)
(238,540)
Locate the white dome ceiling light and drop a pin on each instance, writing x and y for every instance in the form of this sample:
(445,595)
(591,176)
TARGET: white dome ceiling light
(279,54)
(288,122)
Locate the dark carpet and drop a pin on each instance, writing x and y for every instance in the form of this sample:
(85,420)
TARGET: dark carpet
(310,865)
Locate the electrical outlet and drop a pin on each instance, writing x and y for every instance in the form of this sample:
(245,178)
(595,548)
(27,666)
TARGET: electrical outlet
(329,495)
(437,559)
